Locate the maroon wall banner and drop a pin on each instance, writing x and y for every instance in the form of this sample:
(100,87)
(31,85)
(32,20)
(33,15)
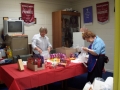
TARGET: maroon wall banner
(102,12)
(27,13)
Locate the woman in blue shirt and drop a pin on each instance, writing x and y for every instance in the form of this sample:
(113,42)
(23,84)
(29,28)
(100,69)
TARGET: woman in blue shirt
(96,51)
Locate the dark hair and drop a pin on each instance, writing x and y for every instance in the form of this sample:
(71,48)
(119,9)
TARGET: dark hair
(88,34)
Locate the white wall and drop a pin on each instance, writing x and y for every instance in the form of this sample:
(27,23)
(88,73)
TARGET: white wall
(42,11)
(105,31)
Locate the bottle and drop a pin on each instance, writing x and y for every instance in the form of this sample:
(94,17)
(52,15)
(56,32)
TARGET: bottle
(39,63)
(9,52)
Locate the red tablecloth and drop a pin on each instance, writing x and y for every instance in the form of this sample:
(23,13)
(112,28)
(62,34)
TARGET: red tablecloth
(21,80)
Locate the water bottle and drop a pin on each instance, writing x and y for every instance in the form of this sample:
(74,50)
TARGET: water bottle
(9,52)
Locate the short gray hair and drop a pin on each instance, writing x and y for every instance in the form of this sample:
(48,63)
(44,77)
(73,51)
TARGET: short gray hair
(43,29)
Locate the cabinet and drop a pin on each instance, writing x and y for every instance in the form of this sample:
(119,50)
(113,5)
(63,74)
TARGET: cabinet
(58,26)
(18,44)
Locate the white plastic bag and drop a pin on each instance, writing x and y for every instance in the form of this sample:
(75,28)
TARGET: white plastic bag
(109,83)
(83,57)
(88,86)
(45,54)
(98,84)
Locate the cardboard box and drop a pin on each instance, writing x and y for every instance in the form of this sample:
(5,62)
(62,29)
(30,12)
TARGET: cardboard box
(20,65)
(65,50)
(35,67)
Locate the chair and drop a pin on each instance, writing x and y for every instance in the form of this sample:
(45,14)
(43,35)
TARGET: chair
(23,57)
(52,51)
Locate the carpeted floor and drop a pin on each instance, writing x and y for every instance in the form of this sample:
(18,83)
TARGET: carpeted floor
(75,83)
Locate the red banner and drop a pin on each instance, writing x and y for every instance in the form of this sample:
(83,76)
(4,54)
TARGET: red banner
(27,13)
(102,12)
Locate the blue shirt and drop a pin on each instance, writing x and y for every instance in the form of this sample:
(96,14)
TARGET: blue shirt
(97,46)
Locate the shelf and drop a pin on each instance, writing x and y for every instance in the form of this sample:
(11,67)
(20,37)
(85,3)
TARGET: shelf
(57,26)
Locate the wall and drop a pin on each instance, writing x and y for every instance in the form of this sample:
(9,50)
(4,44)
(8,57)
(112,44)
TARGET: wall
(42,11)
(105,31)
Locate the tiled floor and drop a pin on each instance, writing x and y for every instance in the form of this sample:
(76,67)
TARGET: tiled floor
(75,83)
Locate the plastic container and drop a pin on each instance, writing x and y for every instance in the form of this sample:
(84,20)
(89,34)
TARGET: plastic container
(9,52)
(3,53)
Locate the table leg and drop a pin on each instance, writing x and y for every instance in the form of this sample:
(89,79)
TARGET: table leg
(47,87)
(41,87)
(64,85)
(44,87)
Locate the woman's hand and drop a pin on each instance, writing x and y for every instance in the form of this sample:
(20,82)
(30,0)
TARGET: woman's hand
(85,49)
(90,51)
